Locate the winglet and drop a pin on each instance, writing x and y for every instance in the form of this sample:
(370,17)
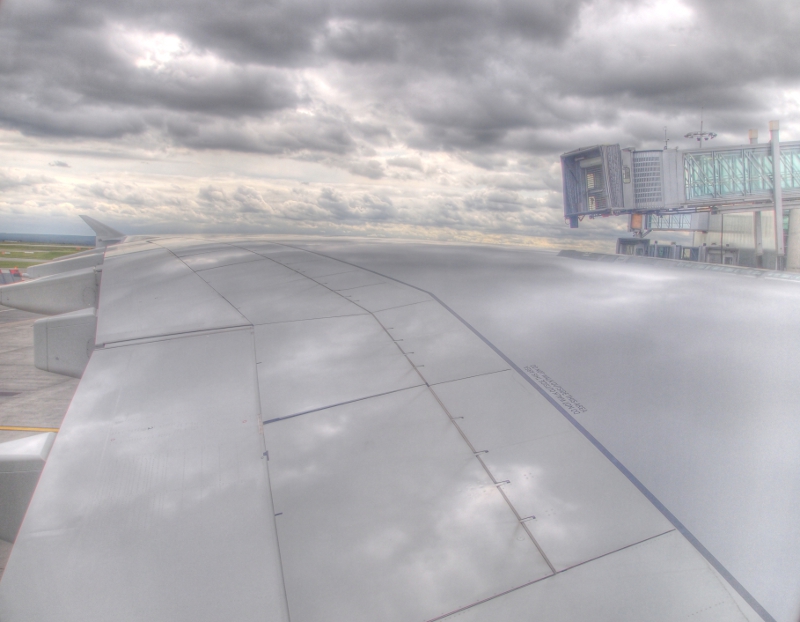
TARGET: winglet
(105,235)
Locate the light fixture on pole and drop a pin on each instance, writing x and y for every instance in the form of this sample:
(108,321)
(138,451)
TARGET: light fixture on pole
(701,135)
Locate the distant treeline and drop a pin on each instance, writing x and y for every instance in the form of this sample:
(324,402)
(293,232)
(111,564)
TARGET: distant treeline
(48,238)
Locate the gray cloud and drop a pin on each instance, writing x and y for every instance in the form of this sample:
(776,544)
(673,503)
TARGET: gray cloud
(11,179)
(122,193)
(406,162)
(357,42)
(432,113)
(477,75)
(294,134)
(368,168)
(494,201)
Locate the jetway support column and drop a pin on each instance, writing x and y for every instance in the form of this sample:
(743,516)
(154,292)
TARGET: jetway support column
(793,245)
(758,239)
(777,190)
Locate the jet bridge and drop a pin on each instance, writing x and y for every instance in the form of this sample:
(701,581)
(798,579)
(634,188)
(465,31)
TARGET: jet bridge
(671,189)
(606,180)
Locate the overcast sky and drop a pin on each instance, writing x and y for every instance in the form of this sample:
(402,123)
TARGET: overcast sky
(411,118)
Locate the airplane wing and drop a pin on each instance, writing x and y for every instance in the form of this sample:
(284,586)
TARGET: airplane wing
(264,431)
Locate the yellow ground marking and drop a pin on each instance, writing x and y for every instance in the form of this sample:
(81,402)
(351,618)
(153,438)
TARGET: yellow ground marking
(16,428)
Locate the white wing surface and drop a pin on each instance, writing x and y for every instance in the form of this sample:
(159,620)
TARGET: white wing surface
(266,433)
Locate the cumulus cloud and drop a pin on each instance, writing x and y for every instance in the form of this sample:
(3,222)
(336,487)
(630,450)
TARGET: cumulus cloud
(367,168)
(10,178)
(406,162)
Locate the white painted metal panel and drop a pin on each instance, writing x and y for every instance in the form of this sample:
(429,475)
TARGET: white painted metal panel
(154,503)
(185,247)
(350,280)
(126,248)
(63,344)
(687,376)
(317,363)
(385,296)
(266,292)
(154,293)
(281,254)
(220,257)
(385,514)
(322,267)
(584,507)
(25,454)
(139,238)
(51,295)
(248,280)
(293,257)
(661,580)
(21,462)
(200,249)
(442,348)
(263,247)
(501,409)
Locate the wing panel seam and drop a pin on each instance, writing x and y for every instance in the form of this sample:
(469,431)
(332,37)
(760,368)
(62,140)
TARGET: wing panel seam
(679,526)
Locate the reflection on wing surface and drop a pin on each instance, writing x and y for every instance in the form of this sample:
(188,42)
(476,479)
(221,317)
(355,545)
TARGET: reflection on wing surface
(266,433)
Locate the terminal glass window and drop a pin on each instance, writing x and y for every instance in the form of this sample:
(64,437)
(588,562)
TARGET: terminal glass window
(728,173)
(669,222)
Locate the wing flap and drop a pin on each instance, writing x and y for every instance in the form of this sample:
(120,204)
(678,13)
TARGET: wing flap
(154,503)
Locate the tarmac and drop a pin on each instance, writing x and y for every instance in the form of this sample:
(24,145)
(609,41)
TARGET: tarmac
(29,398)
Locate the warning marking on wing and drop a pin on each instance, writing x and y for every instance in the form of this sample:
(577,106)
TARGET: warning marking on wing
(559,393)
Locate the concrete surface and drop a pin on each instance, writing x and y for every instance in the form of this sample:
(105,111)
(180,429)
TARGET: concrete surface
(29,397)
